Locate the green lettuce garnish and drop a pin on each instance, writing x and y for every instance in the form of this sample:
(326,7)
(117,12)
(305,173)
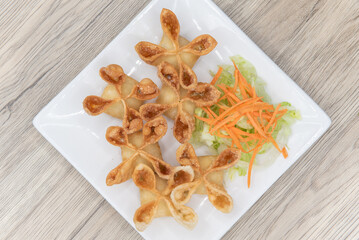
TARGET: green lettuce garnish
(281,133)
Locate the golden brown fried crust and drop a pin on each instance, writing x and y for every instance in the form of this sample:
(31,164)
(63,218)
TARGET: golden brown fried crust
(180,54)
(219,198)
(204,95)
(186,156)
(95,105)
(146,89)
(144,215)
(226,159)
(188,77)
(121,173)
(150,111)
(182,176)
(163,169)
(168,75)
(170,25)
(113,74)
(137,151)
(117,136)
(132,121)
(149,52)
(183,127)
(216,193)
(122,93)
(154,130)
(201,45)
(144,178)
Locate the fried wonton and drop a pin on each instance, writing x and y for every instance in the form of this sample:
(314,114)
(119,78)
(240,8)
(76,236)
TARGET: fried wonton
(176,50)
(157,202)
(138,148)
(178,102)
(205,182)
(122,97)
(205,162)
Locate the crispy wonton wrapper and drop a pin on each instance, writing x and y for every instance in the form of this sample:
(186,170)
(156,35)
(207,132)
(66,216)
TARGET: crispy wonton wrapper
(217,195)
(146,180)
(137,149)
(122,97)
(172,96)
(175,50)
(162,209)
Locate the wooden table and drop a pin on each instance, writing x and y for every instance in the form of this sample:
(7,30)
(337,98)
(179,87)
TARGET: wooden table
(45,44)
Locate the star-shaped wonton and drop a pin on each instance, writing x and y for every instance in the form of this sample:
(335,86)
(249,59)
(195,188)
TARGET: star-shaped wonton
(145,179)
(152,132)
(176,50)
(217,195)
(122,97)
(202,95)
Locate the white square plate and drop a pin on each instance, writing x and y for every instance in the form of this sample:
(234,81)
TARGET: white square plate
(80,138)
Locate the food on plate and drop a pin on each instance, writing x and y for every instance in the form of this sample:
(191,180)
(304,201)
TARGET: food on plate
(152,132)
(244,118)
(157,201)
(180,93)
(232,115)
(176,50)
(217,194)
(122,97)
(203,94)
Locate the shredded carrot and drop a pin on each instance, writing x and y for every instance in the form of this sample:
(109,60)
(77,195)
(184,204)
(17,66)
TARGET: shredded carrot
(255,151)
(226,91)
(255,125)
(208,113)
(216,77)
(241,103)
(236,142)
(284,152)
(212,113)
(206,120)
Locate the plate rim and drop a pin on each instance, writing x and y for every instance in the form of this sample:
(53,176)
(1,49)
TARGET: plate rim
(325,119)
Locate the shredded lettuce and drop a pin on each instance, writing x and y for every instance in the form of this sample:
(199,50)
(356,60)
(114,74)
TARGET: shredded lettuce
(281,133)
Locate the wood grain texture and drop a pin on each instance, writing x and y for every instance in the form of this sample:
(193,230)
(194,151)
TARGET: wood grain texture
(45,44)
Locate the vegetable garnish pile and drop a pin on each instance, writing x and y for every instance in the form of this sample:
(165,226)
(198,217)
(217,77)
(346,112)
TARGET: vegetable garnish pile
(244,118)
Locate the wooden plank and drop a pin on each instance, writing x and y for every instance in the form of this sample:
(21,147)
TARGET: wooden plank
(45,44)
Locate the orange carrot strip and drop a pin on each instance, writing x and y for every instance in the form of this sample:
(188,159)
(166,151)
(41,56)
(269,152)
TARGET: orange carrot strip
(275,144)
(213,113)
(230,94)
(244,82)
(284,152)
(219,134)
(239,131)
(260,117)
(265,116)
(224,122)
(236,142)
(273,117)
(206,120)
(210,116)
(234,108)
(273,128)
(241,87)
(255,125)
(216,77)
(221,98)
(255,151)
(236,81)
(222,106)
